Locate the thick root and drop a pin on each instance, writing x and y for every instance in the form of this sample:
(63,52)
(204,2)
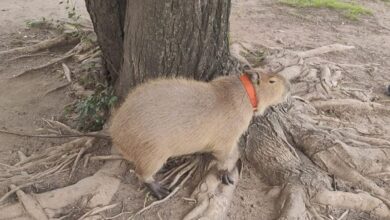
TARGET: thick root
(293,203)
(358,201)
(55,159)
(99,189)
(323,50)
(213,197)
(349,104)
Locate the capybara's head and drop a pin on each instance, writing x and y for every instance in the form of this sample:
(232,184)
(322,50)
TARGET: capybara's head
(271,89)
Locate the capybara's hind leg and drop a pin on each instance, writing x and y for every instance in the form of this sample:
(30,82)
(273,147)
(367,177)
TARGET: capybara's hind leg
(147,170)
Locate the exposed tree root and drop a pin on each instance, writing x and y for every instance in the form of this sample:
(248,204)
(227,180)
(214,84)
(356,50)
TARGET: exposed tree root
(213,198)
(323,50)
(30,205)
(109,157)
(358,201)
(63,39)
(350,104)
(98,188)
(293,203)
(49,161)
(87,49)
(91,214)
(90,134)
(57,88)
(44,66)
(28,56)
(269,140)
(291,146)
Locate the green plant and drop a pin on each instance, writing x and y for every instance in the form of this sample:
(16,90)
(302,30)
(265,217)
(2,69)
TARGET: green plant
(351,10)
(73,27)
(39,23)
(93,110)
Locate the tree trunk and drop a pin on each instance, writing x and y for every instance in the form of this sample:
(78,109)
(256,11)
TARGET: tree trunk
(147,39)
(108,20)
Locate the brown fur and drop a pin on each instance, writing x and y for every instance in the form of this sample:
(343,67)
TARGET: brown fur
(172,117)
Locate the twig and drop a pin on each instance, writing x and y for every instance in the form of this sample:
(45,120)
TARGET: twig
(98,210)
(67,72)
(108,157)
(165,199)
(81,152)
(57,88)
(91,134)
(31,206)
(86,160)
(174,171)
(118,215)
(61,125)
(343,215)
(5,196)
(159,216)
(6,165)
(190,167)
(22,156)
(28,56)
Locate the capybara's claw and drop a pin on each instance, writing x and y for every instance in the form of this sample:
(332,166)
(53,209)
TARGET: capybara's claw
(225,178)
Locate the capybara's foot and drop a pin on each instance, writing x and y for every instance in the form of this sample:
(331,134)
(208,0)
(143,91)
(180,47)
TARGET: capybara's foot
(158,190)
(226,178)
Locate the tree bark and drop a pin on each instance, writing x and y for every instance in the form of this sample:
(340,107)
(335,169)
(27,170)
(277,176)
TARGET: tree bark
(151,39)
(108,21)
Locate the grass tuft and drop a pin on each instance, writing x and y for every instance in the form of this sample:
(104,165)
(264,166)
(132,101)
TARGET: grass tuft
(350,10)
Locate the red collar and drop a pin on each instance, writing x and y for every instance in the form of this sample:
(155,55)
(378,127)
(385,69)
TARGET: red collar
(250,90)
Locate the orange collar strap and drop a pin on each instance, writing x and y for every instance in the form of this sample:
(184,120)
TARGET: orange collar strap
(250,90)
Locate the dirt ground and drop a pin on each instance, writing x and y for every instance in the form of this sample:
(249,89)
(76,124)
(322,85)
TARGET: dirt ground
(24,101)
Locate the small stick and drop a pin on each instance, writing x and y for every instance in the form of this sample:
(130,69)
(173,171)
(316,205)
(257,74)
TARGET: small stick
(190,167)
(5,196)
(91,134)
(57,88)
(98,210)
(31,206)
(61,125)
(174,171)
(86,160)
(343,215)
(6,165)
(67,72)
(28,56)
(22,156)
(108,157)
(76,161)
(165,199)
